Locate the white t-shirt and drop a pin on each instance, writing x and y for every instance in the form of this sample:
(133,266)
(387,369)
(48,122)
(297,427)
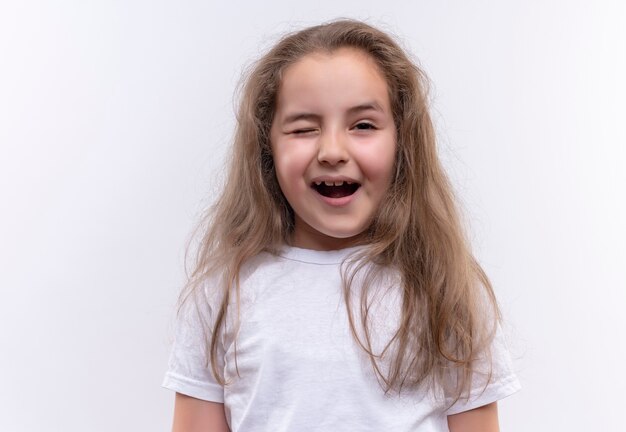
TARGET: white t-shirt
(299,366)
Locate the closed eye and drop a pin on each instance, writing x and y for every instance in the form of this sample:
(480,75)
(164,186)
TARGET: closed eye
(303,131)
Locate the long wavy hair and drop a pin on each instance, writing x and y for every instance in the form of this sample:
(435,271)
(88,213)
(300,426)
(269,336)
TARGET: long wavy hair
(444,326)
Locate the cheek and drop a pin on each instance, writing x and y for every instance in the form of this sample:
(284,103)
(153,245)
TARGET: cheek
(290,165)
(378,163)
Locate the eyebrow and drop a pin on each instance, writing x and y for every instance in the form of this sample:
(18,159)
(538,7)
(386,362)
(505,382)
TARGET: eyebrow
(374,106)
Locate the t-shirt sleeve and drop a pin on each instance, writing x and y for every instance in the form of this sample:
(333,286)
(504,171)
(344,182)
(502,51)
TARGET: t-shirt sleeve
(189,370)
(503,381)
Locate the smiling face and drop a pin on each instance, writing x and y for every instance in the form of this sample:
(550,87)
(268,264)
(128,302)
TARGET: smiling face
(333,143)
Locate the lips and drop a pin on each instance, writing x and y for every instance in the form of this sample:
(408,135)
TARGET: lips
(335,188)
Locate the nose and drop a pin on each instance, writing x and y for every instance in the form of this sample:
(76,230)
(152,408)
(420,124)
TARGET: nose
(332,148)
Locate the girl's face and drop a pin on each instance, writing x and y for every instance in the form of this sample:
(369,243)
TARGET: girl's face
(334,143)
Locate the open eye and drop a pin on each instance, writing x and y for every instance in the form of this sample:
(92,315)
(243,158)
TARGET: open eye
(364,126)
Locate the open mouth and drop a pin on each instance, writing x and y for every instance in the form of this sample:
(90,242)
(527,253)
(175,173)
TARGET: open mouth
(336,189)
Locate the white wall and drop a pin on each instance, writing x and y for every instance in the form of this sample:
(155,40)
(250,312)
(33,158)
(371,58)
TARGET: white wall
(114,117)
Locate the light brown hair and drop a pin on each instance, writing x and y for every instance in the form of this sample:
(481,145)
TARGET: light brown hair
(449,312)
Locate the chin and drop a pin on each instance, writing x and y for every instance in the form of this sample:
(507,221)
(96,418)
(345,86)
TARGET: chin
(343,234)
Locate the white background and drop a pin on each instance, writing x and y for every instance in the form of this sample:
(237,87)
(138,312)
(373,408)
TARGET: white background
(114,120)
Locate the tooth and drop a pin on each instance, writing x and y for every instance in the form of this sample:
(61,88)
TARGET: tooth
(328,183)
(349,182)
(318,183)
(338,183)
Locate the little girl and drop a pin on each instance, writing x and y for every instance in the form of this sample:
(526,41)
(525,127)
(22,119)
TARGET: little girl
(334,287)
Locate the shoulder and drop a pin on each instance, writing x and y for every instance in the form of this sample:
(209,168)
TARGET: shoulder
(494,376)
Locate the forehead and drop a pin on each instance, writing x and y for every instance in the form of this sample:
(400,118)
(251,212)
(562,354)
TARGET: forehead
(332,81)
